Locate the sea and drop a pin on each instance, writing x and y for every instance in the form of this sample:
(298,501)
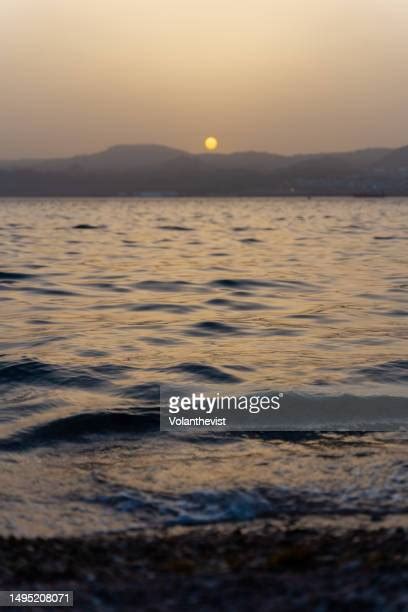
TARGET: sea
(103,301)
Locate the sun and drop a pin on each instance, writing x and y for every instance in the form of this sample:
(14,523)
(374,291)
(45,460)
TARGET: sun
(211,143)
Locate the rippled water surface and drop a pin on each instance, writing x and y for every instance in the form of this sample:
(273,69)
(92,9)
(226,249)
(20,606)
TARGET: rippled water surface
(101,301)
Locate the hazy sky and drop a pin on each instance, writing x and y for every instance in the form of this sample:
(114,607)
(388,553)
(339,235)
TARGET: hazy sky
(278,75)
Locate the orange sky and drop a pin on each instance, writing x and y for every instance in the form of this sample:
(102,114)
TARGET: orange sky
(277,75)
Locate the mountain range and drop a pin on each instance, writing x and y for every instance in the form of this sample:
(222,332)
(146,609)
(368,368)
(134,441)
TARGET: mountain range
(130,170)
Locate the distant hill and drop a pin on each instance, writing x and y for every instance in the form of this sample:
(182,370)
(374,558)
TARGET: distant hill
(150,168)
(128,157)
(119,157)
(395,160)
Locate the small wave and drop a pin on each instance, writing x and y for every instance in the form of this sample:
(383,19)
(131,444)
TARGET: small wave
(160,341)
(45,291)
(235,305)
(198,507)
(88,226)
(175,228)
(151,285)
(35,372)
(109,287)
(92,353)
(110,369)
(163,307)
(238,367)
(209,506)
(203,371)
(238,283)
(13,276)
(397,313)
(211,328)
(77,427)
(148,392)
(390,372)
(247,283)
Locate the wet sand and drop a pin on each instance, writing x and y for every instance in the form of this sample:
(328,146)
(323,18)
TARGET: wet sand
(226,568)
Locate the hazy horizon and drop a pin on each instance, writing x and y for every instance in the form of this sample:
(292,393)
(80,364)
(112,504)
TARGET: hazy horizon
(199,152)
(79,76)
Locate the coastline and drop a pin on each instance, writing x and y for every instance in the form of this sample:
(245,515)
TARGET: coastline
(238,567)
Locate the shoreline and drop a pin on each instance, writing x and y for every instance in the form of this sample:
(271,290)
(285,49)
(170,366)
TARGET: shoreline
(238,567)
